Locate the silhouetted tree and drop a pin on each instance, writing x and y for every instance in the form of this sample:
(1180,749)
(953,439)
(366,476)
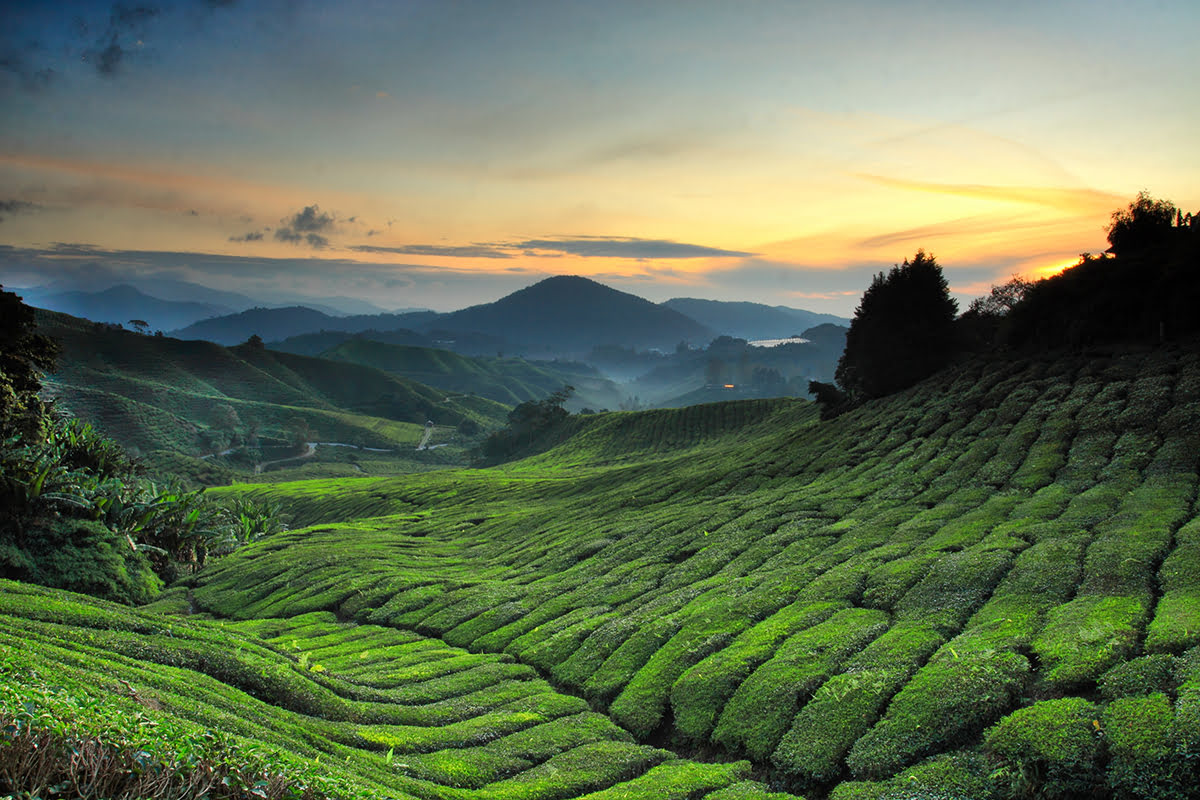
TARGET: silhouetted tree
(24,356)
(140,325)
(981,325)
(832,400)
(1147,222)
(902,331)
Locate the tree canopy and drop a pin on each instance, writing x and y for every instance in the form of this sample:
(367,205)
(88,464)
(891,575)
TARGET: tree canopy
(24,356)
(902,331)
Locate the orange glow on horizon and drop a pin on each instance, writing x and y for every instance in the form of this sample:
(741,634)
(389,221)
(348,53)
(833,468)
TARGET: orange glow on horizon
(1037,273)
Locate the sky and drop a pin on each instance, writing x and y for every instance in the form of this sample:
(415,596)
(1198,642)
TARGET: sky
(441,153)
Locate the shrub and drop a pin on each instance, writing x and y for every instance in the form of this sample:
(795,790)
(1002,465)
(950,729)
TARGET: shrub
(1144,763)
(1050,749)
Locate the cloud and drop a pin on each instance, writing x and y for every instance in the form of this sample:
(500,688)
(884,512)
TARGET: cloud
(252,236)
(1082,201)
(307,225)
(123,37)
(17,64)
(965,226)
(625,247)
(455,251)
(11,207)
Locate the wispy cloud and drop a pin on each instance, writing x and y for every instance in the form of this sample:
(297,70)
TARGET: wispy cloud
(10,207)
(965,226)
(1087,201)
(252,236)
(453,251)
(625,247)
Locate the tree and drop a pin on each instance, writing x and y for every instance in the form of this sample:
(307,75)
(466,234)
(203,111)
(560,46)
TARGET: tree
(1146,223)
(24,356)
(902,331)
(140,325)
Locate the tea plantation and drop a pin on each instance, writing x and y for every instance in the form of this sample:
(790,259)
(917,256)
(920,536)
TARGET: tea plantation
(986,586)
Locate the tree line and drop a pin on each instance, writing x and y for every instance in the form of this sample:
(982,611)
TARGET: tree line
(1144,288)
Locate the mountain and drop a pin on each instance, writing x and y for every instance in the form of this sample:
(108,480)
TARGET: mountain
(505,380)
(750,320)
(122,303)
(568,314)
(272,324)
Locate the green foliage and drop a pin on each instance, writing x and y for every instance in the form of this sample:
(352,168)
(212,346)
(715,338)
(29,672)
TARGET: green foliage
(24,356)
(76,515)
(1050,749)
(531,427)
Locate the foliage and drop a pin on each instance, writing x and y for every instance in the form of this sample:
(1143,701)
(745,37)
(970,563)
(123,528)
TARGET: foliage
(902,331)
(1147,290)
(24,356)
(1050,749)
(531,426)
(75,514)
(1146,223)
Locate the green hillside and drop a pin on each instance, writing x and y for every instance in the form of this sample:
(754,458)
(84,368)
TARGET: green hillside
(909,595)
(506,380)
(173,401)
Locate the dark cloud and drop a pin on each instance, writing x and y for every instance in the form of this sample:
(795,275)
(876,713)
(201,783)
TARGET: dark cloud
(626,247)
(252,236)
(10,207)
(306,226)
(123,36)
(462,251)
(16,62)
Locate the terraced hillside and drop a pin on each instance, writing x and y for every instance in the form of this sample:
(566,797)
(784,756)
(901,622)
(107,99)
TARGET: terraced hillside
(182,399)
(985,587)
(510,381)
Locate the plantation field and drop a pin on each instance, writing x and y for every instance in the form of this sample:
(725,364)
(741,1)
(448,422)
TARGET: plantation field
(987,586)
(174,401)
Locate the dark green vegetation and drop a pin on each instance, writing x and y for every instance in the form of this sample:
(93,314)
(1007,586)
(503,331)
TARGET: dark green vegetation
(172,401)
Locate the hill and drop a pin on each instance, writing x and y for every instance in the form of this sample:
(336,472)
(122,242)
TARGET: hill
(571,315)
(122,303)
(751,320)
(279,323)
(183,399)
(947,592)
(505,380)
(1005,543)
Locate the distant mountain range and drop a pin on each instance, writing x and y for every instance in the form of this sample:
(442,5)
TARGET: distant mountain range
(167,303)
(560,316)
(122,303)
(751,320)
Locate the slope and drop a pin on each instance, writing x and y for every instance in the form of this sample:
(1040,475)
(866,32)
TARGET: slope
(875,602)
(509,381)
(155,393)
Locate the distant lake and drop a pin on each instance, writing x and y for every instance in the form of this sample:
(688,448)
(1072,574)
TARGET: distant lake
(777,342)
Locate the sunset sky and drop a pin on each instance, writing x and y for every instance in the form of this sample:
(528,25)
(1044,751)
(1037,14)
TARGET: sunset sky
(445,153)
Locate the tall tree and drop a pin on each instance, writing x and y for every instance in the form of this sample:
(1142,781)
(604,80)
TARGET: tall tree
(902,331)
(24,356)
